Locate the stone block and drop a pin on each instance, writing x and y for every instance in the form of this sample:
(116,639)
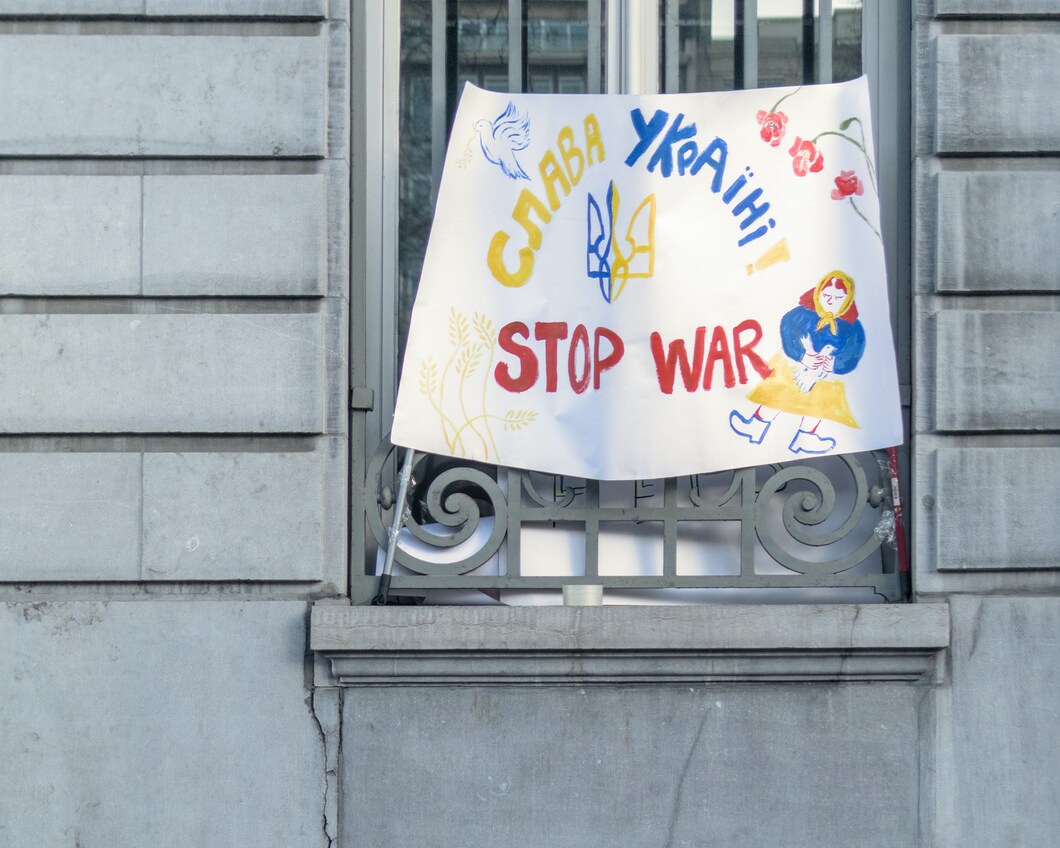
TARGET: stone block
(158,723)
(996,370)
(631,766)
(168,8)
(238,8)
(240,516)
(70,235)
(261,235)
(725,629)
(996,777)
(153,95)
(69,516)
(993,8)
(993,231)
(989,91)
(949,518)
(995,508)
(81,8)
(160,373)
(618,644)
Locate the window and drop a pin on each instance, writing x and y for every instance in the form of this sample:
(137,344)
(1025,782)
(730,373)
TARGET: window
(427,49)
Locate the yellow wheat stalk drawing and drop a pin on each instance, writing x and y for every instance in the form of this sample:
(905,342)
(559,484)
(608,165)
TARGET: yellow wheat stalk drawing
(468,431)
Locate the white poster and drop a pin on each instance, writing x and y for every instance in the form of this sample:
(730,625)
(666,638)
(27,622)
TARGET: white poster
(634,287)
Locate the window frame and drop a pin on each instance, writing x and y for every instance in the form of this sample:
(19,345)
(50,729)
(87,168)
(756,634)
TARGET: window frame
(632,66)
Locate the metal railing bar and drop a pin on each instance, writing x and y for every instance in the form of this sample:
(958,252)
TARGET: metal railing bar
(452,60)
(824,41)
(884,583)
(670,529)
(516,77)
(747,35)
(671,47)
(809,65)
(595,22)
(439,102)
(581,514)
(592,528)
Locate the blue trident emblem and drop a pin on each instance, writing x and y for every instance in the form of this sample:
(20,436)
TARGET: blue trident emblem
(613,261)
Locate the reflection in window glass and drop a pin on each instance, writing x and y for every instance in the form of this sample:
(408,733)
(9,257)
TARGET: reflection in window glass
(558,51)
(846,40)
(703,43)
(541,83)
(414,152)
(557,45)
(785,42)
(482,46)
(700,48)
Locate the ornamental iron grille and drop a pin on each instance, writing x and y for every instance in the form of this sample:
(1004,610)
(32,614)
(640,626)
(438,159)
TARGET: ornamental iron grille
(823,527)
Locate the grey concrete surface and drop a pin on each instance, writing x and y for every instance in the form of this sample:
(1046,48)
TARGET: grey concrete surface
(69,516)
(627,628)
(194,373)
(996,370)
(995,779)
(682,765)
(1018,530)
(990,227)
(995,7)
(71,7)
(975,548)
(185,722)
(988,93)
(623,645)
(149,95)
(161,724)
(240,516)
(168,8)
(158,516)
(261,235)
(239,8)
(64,235)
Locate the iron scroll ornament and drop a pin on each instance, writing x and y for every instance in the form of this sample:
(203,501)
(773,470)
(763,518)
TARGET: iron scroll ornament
(805,510)
(455,509)
(457,494)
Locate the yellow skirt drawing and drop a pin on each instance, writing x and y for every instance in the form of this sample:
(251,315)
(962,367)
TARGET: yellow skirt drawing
(827,398)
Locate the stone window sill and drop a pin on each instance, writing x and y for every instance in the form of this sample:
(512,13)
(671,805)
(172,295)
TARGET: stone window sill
(616,645)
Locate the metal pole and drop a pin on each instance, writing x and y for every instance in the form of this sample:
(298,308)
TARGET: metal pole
(400,511)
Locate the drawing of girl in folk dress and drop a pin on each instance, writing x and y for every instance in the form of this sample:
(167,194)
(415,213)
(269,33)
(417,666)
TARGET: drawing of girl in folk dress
(822,339)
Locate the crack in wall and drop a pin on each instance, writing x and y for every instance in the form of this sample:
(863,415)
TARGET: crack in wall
(679,791)
(329,738)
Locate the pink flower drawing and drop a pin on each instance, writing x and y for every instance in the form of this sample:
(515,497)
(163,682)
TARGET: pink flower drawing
(807,158)
(772,126)
(847,184)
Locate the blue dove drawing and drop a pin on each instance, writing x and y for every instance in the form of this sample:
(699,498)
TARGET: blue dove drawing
(501,139)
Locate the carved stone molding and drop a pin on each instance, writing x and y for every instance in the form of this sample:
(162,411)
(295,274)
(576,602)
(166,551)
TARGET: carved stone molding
(623,645)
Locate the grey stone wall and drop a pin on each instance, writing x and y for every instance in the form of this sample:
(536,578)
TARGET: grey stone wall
(165,722)
(986,422)
(174,272)
(638,726)
(644,767)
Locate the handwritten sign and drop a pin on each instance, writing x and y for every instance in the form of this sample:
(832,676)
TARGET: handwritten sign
(632,287)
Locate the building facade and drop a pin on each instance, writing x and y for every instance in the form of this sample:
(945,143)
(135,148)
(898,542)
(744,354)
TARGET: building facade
(201,281)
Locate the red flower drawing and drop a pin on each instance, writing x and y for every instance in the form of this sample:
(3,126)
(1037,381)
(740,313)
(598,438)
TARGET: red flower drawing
(807,157)
(772,126)
(847,184)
